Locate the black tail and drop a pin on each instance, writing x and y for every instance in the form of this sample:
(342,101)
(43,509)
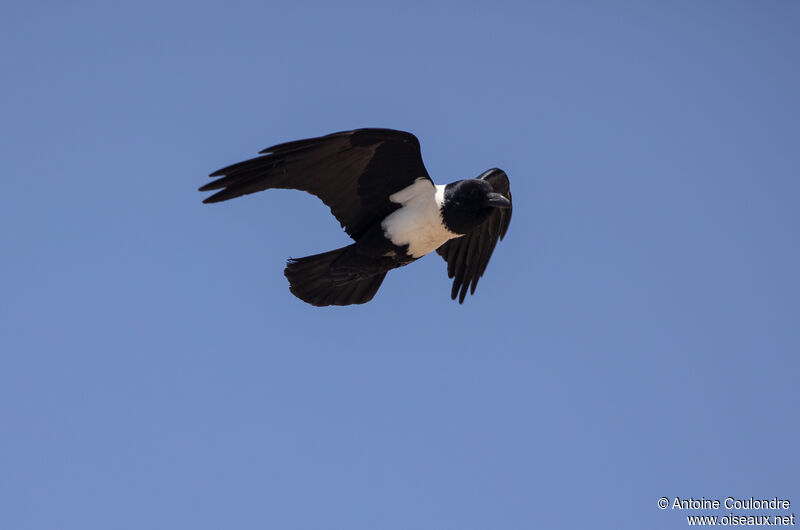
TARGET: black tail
(311,281)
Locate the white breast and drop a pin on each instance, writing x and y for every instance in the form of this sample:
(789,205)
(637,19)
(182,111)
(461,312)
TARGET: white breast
(418,223)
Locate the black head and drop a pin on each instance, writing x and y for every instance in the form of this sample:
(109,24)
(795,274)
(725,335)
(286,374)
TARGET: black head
(467,203)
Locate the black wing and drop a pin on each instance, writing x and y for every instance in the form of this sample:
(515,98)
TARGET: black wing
(353,172)
(467,256)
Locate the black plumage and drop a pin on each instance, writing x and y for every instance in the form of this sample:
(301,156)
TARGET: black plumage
(468,256)
(376,185)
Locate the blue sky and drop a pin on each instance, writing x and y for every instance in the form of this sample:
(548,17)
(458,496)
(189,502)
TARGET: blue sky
(635,335)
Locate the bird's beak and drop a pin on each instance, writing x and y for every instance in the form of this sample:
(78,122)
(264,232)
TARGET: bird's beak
(497,201)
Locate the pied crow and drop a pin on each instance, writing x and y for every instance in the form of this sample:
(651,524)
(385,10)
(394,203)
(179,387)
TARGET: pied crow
(376,185)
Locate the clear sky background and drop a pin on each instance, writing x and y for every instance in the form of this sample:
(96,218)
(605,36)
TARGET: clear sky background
(635,336)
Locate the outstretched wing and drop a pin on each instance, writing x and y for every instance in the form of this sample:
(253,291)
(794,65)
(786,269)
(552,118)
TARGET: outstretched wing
(467,256)
(353,172)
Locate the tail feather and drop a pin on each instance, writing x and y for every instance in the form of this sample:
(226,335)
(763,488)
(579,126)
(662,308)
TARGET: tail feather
(311,281)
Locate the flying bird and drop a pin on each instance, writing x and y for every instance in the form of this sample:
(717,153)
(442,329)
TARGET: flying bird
(376,185)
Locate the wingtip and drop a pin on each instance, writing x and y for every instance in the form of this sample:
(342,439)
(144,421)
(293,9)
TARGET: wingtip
(214,198)
(463,295)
